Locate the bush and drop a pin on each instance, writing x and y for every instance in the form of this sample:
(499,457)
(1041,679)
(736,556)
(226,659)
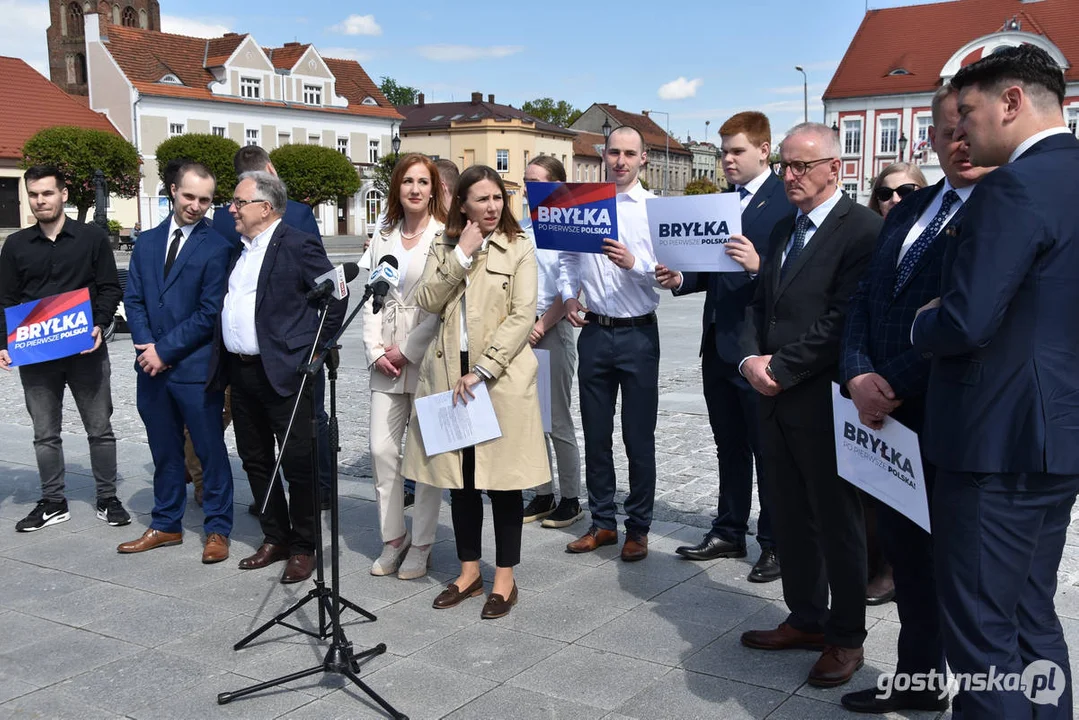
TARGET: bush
(213,151)
(315,174)
(115,227)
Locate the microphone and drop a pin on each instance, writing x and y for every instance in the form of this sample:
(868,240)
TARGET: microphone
(334,282)
(382,278)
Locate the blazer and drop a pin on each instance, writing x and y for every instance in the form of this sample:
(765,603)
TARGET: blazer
(285,321)
(177,313)
(727,294)
(1003,388)
(799,319)
(297,215)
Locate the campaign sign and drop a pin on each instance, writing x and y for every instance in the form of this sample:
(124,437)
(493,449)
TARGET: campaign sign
(50,328)
(690,232)
(572,217)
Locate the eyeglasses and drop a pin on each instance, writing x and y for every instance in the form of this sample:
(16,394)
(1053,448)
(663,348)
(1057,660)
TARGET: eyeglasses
(800,167)
(239,203)
(884,194)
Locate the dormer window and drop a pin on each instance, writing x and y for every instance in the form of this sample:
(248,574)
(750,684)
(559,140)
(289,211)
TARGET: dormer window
(312,95)
(369,101)
(170,79)
(900,71)
(251,88)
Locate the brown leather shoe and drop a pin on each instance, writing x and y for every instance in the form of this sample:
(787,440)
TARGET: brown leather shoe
(635,548)
(150,539)
(498,606)
(299,568)
(593,539)
(216,548)
(835,666)
(784,637)
(453,596)
(267,554)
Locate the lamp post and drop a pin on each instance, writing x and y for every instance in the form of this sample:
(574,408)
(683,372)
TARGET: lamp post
(805,93)
(667,141)
(706,124)
(606,129)
(902,148)
(101,218)
(395,143)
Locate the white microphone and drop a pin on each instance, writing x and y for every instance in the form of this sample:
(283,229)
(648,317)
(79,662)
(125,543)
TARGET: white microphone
(382,278)
(334,282)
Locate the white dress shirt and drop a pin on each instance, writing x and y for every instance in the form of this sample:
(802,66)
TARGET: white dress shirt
(547,266)
(466,263)
(238,311)
(1035,139)
(816,216)
(930,212)
(608,289)
(185,231)
(753,186)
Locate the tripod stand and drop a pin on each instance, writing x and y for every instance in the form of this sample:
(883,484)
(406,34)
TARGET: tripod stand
(340,658)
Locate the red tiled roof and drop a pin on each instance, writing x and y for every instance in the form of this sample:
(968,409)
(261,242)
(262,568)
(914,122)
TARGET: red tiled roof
(440,116)
(585,144)
(219,50)
(654,135)
(921,39)
(286,57)
(32,103)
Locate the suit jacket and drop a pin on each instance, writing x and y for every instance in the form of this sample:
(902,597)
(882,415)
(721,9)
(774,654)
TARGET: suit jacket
(177,313)
(877,334)
(297,215)
(1003,388)
(799,319)
(727,294)
(285,321)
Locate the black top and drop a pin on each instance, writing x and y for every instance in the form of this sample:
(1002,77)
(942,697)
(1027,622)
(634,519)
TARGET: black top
(33,267)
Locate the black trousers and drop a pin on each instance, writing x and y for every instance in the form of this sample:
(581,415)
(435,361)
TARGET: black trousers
(466,511)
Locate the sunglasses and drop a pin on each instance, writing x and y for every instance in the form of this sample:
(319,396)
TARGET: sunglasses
(883,194)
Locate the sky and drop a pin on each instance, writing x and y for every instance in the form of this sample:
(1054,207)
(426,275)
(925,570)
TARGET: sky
(710,60)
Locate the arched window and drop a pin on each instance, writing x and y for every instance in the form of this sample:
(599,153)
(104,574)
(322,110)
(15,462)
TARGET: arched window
(142,19)
(115,14)
(80,69)
(63,21)
(373,206)
(130,17)
(75,16)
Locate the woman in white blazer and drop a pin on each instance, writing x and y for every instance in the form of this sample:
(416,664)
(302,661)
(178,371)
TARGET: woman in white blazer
(396,340)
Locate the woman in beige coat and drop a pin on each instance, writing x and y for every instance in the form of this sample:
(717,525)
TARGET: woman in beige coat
(481,282)
(396,340)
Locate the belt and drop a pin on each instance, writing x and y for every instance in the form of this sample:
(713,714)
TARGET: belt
(616,322)
(248,359)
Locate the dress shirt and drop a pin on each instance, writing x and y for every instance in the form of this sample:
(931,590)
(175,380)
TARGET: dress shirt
(547,266)
(753,186)
(185,232)
(1035,139)
(608,289)
(816,216)
(238,312)
(466,263)
(930,212)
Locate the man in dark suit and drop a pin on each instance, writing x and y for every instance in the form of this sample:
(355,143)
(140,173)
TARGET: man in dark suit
(885,375)
(746,142)
(175,284)
(266,330)
(1003,399)
(791,350)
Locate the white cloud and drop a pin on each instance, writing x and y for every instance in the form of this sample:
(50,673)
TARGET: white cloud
(680,89)
(208,28)
(344,53)
(22,34)
(797,89)
(459,53)
(358,25)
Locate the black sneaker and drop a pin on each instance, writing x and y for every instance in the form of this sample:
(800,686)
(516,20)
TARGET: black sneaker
(111,511)
(568,512)
(410,499)
(45,513)
(540,507)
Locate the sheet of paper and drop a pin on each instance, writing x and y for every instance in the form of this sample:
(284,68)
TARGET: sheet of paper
(690,232)
(885,463)
(446,427)
(543,386)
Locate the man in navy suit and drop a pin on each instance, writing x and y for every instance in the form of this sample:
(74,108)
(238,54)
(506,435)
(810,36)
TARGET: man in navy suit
(886,376)
(267,328)
(175,284)
(746,140)
(1003,402)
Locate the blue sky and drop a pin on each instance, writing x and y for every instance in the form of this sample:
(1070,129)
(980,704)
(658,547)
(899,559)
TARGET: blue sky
(701,61)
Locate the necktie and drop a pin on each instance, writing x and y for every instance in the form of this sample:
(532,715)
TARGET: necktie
(174,247)
(801,226)
(743,193)
(922,243)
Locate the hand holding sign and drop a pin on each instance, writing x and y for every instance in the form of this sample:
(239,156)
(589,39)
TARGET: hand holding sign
(740,249)
(670,279)
(5,360)
(619,254)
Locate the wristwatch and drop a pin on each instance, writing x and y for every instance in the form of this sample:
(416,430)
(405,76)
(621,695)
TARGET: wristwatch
(769,373)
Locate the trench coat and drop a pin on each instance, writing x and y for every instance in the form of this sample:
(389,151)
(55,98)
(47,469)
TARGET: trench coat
(500,312)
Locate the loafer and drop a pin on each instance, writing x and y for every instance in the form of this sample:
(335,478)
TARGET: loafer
(710,548)
(870,701)
(267,554)
(766,569)
(593,539)
(635,548)
(784,637)
(453,596)
(498,606)
(298,569)
(216,548)
(835,666)
(150,539)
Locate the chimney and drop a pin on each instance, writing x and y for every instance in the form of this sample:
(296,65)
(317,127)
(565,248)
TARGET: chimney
(292,44)
(644,112)
(477,98)
(491,98)
(419,99)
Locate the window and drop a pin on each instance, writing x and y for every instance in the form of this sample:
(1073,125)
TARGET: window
(251,136)
(1073,120)
(218,130)
(502,161)
(283,138)
(312,95)
(176,129)
(250,88)
(142,19)
(526,159)
(373,205)
(369,101)
(314,140)
(130,18)
(75,24)
(578,171)
(342,146)
(170,79)
(851,188)
(852,136)
(889,136)
(372,151)
(921,147)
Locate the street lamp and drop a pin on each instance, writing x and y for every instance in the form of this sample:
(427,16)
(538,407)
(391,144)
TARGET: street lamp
(805,93)
(706,124)
(667,141)
(902,147)
(606,129)
(395,143)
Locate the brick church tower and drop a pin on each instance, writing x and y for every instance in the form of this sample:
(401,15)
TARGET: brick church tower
(67,40)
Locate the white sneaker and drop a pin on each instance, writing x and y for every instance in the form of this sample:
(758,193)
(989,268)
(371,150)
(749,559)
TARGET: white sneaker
(416,563)
(390,559)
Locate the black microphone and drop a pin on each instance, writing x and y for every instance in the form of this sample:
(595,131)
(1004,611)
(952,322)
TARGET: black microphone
(334,282)
(382,278)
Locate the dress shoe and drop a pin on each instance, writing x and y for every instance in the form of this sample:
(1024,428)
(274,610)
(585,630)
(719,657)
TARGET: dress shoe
(267,554)
(299,568)
(784,637)
(216,548)
(835,666)
(869,701)
(710,548)
(881,589)
(453,596)
(498,606)
(150,539)
(635,548)
(593,539)
(766,569)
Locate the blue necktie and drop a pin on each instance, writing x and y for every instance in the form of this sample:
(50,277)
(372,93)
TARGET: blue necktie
(915,252)
(743,193)
(801,227)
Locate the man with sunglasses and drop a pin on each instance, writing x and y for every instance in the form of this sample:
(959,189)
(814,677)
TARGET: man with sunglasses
(790,346)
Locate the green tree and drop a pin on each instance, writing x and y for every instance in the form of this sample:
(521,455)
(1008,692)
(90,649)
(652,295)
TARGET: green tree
(315,174)
(701,186)
(398,94)
(383,170)
(78,152)
(559,113)
(213,151)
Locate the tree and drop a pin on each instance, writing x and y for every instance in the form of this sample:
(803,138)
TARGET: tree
(213,151)
(383,171)
(315,174)
(559,113)
(701,186)
(398,94)
(78,152)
